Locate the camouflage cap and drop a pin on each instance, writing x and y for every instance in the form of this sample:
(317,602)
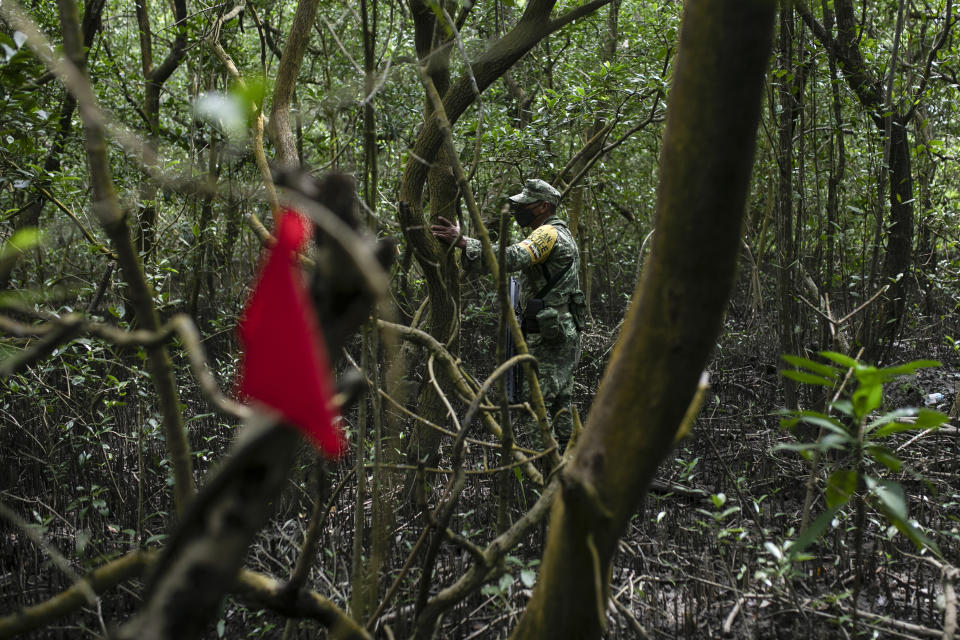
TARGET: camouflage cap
(535,190)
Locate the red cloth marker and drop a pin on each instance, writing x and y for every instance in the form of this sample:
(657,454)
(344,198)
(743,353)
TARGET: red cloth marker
(285,365)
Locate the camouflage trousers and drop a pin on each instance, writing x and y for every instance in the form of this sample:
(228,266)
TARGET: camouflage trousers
(556,364)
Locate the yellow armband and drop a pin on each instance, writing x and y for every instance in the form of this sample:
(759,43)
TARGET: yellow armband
(540,243)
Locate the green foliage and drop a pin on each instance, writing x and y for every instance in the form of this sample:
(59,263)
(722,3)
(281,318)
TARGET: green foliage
(23,112)
(21,241)
(858,435)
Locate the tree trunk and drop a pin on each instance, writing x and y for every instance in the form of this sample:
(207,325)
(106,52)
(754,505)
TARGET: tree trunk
(428,166)
(279,129)
(786,249)
(886,320)
(836,170)
(671,327)
(202,238)
(154,78)
(899,249)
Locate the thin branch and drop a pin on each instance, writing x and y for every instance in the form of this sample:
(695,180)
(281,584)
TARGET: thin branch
(440,394)
(938,44)
(83,230)
(430,425)
(343,49)
(60,331)
(863,306)
(51,552)
(260,157)
(532,457)
(459,380)
(253,587)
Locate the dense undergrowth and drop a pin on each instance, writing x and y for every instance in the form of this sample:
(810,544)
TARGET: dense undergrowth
(706,556)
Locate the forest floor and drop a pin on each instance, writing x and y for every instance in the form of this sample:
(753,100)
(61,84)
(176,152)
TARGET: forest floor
(704,557)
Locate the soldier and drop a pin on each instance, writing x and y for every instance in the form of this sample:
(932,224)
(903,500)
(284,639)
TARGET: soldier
(553,304)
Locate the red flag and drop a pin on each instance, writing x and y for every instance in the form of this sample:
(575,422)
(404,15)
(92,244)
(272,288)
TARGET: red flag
(285,362)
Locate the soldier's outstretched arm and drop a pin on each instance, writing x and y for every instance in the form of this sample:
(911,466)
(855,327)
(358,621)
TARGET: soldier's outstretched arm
(534,249)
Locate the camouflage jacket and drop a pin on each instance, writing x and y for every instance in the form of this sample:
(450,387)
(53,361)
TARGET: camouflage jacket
(548,250)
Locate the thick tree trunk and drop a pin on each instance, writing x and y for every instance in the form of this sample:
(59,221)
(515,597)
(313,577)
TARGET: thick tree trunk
(671,328)
(432,41)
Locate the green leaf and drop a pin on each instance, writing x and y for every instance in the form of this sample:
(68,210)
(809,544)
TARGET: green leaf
(892,428)
(528,577)
(829,441)
(818,368)
(892,503)
(806,378)
(916,536)
(811,533)
(774,550)
(23,240)
(840,487)
(891,497)
(826,422)
(723,515)
(799,447)
(884,456)
(843,406)
(867,398)
(889,417)
(834,441)
(930,419)
(927,419)
(910,367)
(250,95)
(842,360)
(789,423)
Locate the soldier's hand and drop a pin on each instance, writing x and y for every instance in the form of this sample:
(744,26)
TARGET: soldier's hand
(448,232)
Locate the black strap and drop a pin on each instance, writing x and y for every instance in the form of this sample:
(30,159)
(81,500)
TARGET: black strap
(551,282)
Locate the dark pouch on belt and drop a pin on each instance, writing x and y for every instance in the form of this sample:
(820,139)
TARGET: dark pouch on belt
(549,321)
(534,307)
(578,309)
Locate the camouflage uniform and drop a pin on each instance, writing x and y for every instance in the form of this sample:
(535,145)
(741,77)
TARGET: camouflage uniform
(545,254)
